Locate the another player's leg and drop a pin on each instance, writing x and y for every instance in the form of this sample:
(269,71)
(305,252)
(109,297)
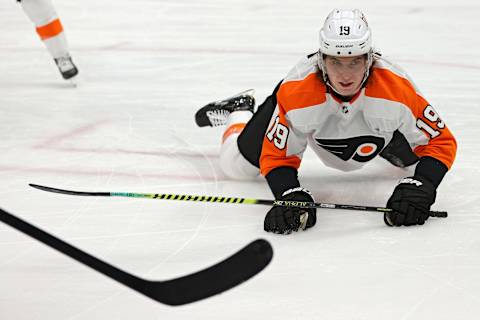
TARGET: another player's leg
(50,30)
(398,152)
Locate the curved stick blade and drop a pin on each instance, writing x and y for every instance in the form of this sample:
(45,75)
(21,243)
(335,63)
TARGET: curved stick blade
(216,279)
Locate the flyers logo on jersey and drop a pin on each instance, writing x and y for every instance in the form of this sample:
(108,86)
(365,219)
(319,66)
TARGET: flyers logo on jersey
(361,149)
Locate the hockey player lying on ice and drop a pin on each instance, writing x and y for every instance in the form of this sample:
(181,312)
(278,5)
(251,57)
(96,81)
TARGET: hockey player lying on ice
(349,105)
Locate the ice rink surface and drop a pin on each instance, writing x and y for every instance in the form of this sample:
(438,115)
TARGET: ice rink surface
(145,68)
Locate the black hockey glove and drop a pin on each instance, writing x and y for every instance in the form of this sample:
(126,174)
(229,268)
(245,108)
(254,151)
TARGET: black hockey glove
(411,201)
(284,220)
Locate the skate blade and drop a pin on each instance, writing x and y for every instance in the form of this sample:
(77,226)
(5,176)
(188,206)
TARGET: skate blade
(249,92)
(73,82)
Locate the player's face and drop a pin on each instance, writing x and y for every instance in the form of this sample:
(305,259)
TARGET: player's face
(346,73)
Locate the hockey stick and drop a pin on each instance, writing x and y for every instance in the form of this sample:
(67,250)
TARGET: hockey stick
(220,277)
(186,197)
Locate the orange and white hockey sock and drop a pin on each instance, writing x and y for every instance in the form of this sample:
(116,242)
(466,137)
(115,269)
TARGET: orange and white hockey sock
(232,162)
(236,122)
(48,26)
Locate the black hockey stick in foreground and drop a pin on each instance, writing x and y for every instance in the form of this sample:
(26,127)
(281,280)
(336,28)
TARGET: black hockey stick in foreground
(186,197)
(190,288)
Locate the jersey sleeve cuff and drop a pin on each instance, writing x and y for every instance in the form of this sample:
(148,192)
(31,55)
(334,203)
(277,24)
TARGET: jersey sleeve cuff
(281,179)
(432,169)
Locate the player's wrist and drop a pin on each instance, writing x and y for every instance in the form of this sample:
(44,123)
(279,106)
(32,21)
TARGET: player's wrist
(431,169)
(282,179)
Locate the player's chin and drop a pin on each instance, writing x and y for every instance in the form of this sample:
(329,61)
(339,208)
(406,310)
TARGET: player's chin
(348,90)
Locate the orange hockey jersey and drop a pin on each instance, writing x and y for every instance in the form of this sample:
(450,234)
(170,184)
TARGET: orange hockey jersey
(346,135)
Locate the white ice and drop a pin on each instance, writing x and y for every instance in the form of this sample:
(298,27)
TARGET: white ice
(145,67)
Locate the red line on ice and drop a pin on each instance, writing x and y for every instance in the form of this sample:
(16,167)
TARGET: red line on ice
(70,134)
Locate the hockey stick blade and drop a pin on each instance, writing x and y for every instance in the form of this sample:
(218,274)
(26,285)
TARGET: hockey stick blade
(232,200)
(216,279)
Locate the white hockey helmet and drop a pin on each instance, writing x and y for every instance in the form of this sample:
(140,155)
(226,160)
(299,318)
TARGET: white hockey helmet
(345,33)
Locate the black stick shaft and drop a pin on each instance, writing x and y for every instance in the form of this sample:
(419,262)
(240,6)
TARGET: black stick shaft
(205,283)
(196,198)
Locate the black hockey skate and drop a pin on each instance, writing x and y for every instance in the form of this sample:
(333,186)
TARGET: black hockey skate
(66,67)
(215,113)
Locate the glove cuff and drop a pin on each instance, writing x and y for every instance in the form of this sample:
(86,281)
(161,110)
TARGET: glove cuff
(418,181)
(297,189)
